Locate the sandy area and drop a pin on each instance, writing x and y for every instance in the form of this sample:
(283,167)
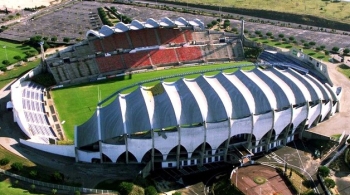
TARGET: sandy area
(21,4)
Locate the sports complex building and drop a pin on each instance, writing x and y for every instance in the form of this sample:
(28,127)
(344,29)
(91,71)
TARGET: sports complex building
(224,117)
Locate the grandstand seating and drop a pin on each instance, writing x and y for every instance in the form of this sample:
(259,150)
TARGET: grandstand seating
(136,39)
(189,54)
(111,63)
(188,35)
(97,45)
(201,36)
(34,112)
(163,56)
(283,60)
(170,36)
(136,60)
(108,44)
(121,40)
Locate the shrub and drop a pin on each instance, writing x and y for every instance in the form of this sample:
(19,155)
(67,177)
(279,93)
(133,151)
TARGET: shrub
(326,52)
(151,190)
(214,22)
(269,34)
(17,166)
(346,51)
(66,39)
(33,173)
(53,39)
(210,25)
(291,38)
(335,49)
(57,177)
(323,171)
(54,191)
(17,57)
(4,161)
(124,188)
(258,32)
(329,183)
(5,62)
(77,192)
(281,35)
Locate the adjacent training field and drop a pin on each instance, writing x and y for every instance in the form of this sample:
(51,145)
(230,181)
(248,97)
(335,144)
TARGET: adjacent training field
(260,179)
(8,50)
(338,11)
(76,104)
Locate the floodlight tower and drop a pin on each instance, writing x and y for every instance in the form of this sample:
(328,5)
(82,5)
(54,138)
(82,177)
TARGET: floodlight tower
(41,43)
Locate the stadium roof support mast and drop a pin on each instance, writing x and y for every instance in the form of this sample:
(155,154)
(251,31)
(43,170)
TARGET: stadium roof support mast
(242,31)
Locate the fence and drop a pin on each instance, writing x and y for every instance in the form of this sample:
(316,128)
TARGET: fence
(57,186)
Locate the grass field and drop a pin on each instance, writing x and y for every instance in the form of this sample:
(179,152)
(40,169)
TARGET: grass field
(7,188)
(75,105)
(13,49)
(338,11)
(10,75)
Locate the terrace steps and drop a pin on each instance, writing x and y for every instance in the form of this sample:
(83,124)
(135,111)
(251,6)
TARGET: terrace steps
(92,66)
(75,70)
(69,71)
(62,74)
(83,69)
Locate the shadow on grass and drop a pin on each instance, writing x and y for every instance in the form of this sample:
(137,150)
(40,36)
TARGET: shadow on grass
(289,46)
(344,67)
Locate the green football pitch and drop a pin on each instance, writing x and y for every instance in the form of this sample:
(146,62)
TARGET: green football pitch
(75,105)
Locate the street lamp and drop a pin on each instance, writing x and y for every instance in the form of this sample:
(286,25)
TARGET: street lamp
(6,52)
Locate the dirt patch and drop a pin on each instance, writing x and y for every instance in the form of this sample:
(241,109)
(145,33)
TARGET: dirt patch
(273,184)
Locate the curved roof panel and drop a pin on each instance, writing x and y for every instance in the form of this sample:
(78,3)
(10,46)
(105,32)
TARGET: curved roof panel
(199,96)
(166,22)
(136,110)
(239,96)
(216,108)
(294,93)
(181,22)
(279,90)
(262,103)
(164,114)
(151,23)
(106,30)
(190,111)
(325,93)
(112,120)
(121,27)
(315,93)
(136,25)
(87,133)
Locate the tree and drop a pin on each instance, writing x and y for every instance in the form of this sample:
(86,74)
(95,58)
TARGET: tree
(57,177)
(32,187)
(53,39)
(77,192)
(124,188)
(33,173)
(269,34)
(306,45)
(54,191)
(291,38)
(258,32)
(329,182)
(227,23)
(5,62)
(151,190)
(323,171)
(17,57)
(335,49)
(4,161)
(214,22)
(210,25)
(281,35)
(17,166)
(66,39)
(312,43)
(346,51)
(322,47)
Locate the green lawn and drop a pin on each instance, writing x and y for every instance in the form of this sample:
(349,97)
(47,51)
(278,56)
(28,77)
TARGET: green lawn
(10,75)
(344,69)
(7,188)
(13,49)
(311,52)
(75,105)
(338,11)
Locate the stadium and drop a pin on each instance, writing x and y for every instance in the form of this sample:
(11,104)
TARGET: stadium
(225,117)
